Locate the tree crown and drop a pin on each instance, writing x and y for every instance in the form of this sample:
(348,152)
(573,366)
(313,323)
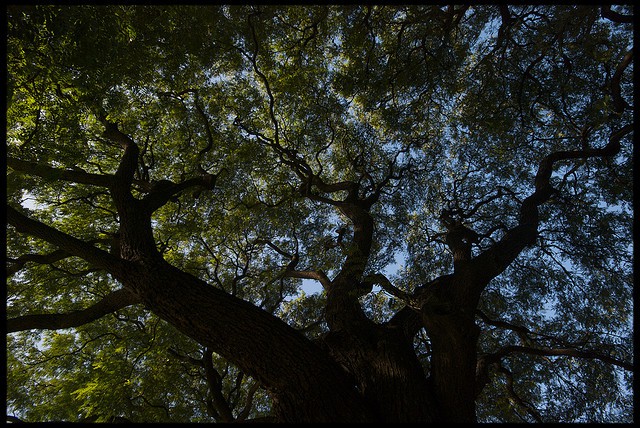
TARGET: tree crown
(485,141)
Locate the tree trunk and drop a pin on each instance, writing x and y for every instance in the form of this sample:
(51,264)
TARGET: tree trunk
(386,371)
(453,365)
(448,315)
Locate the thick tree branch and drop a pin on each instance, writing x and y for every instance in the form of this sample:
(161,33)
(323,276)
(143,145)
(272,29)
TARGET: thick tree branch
(136,235)
(46,172)
(164,190)
(21,261)
(341,186)
(112,302)
(215,387)
(346,287)
(310,274)
(241,332)
(35,258)
(128,164)
(387,286)
(73,246)
(619,103)
(407,320)
(459,239)
(493,261)
(343,309)
(521,331)
(569,352)
(615,16)
(274,247)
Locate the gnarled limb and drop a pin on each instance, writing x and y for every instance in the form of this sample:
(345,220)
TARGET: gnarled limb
(73,246)
(110,303)
(387,286)
(619,103)
(615,16)
(214,380)
(35,258)
(319,276)
(569,352)
(49,173)
(493,261)
(164,190)
(121,187)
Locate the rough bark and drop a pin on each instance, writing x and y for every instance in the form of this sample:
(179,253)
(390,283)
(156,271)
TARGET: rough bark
(447,314)
(381,359)
(305,383)
(388,375)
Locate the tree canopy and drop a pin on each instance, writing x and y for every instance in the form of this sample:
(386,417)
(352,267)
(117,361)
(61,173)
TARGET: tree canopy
(320,213)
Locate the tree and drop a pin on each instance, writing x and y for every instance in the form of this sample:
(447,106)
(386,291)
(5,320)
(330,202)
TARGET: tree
(456,179)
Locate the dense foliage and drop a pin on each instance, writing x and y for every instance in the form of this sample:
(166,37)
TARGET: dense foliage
(335,166)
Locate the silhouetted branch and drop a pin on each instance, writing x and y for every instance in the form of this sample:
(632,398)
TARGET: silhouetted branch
(568,352)
(615,16)
(49,173)
(74,246)
(110,303)
(516,398)
(35,258)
